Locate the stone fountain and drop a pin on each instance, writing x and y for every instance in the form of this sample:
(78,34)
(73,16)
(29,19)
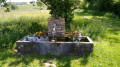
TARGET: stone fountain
(77,45)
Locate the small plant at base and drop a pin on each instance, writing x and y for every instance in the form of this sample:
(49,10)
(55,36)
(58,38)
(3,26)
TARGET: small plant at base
(72,34)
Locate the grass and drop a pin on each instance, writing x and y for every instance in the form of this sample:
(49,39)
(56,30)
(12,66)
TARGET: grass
(16,24)
(104,31)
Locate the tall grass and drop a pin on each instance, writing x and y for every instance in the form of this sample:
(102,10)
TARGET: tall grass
(88,27)
(12,30)
(17,24)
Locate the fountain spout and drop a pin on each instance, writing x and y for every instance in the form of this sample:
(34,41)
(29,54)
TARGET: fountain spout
(53,32)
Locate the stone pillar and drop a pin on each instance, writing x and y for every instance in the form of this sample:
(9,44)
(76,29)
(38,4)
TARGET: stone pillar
(60,27)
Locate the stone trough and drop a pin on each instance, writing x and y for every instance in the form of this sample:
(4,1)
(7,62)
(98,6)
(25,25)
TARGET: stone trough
(45,46)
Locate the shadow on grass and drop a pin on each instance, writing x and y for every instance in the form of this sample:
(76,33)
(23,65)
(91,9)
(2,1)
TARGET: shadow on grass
(84,61)
(7,57)
(90,13)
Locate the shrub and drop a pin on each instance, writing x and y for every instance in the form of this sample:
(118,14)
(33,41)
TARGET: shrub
(33,4)
(117,8)
(13,7)
(110,15)
(7,10)
(103,5)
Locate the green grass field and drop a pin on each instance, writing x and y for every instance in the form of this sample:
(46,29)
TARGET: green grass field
(102,28)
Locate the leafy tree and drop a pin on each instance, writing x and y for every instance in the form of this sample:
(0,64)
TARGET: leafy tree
(104,5)
(5,5)
(101,5)
(62,8)
(3,1)
(116,9)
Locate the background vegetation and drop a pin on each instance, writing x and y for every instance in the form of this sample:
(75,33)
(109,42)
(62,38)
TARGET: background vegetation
(103,5)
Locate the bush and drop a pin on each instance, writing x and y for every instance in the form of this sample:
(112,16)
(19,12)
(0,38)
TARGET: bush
(110,15)
(13,7)
(33,4)
(116,9)
(7,10)
(103,5)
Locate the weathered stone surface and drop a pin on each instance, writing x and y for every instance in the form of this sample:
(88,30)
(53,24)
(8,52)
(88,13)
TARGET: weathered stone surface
(60,29)
(25,47)
(55,48)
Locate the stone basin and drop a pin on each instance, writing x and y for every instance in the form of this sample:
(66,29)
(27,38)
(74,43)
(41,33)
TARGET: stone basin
(24,47)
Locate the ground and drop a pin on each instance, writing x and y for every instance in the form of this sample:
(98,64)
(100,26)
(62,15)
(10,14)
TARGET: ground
(102,28)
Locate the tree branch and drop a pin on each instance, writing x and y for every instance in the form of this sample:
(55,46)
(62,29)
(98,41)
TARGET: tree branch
(74,8)
(45,2)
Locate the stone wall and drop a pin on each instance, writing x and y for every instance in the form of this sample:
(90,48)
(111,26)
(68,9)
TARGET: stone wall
(58,48)
(25,48)
(60,28)
(55,48)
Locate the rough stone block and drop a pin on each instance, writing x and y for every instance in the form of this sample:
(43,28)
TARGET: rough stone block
(60,29)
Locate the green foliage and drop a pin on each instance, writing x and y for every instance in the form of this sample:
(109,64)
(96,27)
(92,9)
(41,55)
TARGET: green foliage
(103,5)
(13,7)
(116,9)
(7,9)
(5,5)
(31,2)
(2,1)
(62,8)
(110,15)
(88,28)
(39,3)
(11,32)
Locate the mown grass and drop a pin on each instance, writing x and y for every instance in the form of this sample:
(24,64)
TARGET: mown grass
(103,31)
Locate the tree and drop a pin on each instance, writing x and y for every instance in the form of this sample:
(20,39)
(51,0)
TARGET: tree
(101,5)
(3,1)
(62,8)
(116,9)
